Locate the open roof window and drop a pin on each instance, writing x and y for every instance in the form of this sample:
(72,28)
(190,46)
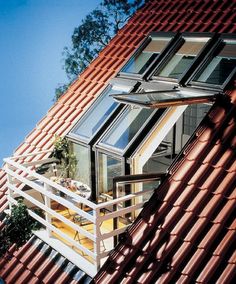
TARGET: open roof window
(98,114)
(219,66)
(187,49)
(126,128)
(163,99)
(146,55)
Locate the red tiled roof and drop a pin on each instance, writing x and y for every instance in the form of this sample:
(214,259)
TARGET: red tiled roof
(36,262)
(156,15)
(185,232)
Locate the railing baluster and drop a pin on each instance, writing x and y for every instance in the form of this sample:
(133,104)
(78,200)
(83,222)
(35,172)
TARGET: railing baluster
(47,201)
(97,243)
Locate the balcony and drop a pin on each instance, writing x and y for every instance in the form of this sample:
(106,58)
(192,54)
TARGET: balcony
(82,230)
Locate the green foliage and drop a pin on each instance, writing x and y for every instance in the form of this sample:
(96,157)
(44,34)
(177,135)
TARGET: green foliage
(66,157)
(94,33)
(18,227)
(60,90)
(61,145)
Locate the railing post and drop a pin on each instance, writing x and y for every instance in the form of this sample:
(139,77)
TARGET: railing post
(97,232)
(10,192)
(115,207)
(47,201)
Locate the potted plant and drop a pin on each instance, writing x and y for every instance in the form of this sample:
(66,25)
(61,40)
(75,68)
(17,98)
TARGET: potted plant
(66,157)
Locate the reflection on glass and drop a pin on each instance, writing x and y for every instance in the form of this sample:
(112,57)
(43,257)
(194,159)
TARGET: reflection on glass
(162,158)
(164,99)
(108,168)
(126,128)
(182,59)
(220,66)
(140,62)
(96,115)
(82,169)
(193,115)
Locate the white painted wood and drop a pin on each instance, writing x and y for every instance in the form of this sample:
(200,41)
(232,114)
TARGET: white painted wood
(97,244)
(68,253)
(108,204)
(40,162)
(57,198)
(156,136)
(53,213)
(9,180)
(61,234)
(105,253)
(51,183)
(121,212)
(30,154)
(114,232)
(47,201)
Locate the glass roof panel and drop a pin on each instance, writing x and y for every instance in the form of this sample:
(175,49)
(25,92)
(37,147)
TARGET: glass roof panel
(183,58)
(142,60)
(126,127)
(221,65)
(162,99)
(97,114)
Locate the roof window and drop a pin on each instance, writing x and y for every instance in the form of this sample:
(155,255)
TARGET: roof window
(126,127)
(146,55)
(177,63)
(163,99)
(98,113)
(219,66)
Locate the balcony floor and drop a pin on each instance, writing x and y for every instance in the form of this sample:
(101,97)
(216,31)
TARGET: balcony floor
(106,226)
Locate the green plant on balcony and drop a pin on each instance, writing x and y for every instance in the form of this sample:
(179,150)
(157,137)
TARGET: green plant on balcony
(62,151)
(18,228)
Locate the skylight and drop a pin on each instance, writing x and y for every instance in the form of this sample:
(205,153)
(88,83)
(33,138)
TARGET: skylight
(183,57)
(219,66)
(146,54)
(126,127)
(99,112)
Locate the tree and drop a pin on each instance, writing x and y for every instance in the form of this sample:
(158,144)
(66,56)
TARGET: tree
(18,227)
(94,33)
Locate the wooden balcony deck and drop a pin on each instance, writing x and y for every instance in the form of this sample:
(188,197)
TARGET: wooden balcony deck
(106,227)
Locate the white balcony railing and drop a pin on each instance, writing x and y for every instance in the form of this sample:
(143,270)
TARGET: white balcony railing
(41,192)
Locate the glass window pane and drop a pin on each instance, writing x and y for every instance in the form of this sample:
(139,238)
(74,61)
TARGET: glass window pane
(220,66)
(140,62)
(109,168)
(126,128)
(193,115)
(182,59)
(82,168)
(97,114)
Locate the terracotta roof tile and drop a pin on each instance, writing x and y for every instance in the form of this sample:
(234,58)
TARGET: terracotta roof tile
(86,101)
(51,124)
(48,139)
(215,261)
(76,102)
(54,127)
(75,114)
(64,129)
(228,274)
(195,203)
(47,266)
(63,109)
(43,122)
(41,136)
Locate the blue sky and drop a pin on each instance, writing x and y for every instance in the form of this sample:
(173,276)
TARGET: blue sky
(33,34)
